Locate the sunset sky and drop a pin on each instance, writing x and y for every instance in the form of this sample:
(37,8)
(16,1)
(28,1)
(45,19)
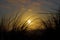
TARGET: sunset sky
(29,19)
(12,6)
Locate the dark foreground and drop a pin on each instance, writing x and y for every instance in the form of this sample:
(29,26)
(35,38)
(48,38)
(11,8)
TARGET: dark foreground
(49,34)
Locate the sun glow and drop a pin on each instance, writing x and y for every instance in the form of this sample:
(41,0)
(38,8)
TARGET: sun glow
(29,21)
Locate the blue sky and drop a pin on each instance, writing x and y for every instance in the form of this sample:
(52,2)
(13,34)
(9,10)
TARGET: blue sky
(12,6)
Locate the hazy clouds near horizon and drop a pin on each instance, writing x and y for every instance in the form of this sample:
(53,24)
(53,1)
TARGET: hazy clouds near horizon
(10,7)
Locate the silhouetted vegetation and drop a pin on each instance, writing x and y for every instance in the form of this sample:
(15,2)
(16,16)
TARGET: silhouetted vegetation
(16,34)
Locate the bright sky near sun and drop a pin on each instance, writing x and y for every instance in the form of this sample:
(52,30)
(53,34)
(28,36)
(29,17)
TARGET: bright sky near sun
(29,21)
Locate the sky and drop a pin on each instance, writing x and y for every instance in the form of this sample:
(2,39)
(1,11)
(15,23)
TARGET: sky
(10,7)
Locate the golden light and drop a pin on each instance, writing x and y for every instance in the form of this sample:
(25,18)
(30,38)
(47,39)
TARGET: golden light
(29,21)
(32,21)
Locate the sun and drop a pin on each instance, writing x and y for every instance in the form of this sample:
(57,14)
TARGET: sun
(29,21)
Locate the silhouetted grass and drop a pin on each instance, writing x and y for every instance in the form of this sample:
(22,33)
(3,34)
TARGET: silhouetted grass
(16,34)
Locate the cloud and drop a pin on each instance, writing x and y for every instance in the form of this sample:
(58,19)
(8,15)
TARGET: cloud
(17,1)
(36,5)
(12,1)
(48,3)
(5,7)
(29,2)
(25,1)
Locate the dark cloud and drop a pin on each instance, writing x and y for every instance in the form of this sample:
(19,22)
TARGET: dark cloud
(36,5)
(5,7)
